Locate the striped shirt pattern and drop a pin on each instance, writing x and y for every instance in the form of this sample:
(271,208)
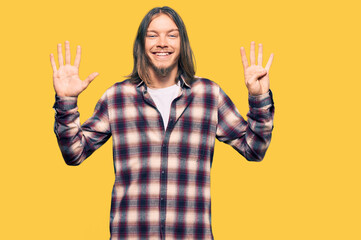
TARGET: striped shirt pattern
(162,177)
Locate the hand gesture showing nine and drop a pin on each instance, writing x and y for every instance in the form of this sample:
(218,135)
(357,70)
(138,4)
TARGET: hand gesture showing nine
(67,82)
(66,79)
(256,77)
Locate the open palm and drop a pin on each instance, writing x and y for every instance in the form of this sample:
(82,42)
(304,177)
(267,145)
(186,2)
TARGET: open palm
(66,79)
(256,77)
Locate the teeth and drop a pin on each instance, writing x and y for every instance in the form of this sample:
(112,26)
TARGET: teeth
(162,54)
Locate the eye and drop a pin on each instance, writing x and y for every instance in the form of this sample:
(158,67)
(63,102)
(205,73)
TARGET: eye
(151,35)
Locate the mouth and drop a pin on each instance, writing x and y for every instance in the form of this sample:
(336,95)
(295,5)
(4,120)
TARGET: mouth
(161,54)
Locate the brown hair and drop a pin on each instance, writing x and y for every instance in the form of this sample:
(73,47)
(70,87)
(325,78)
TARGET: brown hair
(185,62)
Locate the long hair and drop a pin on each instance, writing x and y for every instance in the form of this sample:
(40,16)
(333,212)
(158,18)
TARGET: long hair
(185,63)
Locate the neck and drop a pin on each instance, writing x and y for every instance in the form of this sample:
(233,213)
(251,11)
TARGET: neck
(162,81)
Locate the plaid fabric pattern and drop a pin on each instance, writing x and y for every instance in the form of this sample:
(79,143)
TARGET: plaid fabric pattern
(162,177)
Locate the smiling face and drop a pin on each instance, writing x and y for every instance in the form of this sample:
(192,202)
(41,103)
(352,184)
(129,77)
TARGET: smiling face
(162,45)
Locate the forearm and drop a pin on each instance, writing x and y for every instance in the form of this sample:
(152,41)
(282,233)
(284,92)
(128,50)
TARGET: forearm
(68,130)
(250,138)
(260,125)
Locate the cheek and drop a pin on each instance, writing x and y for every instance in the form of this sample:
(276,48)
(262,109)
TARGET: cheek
(148,44)
(178,49)
(177,44)
(147,47)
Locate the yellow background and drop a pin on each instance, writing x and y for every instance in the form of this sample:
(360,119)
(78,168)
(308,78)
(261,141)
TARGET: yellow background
(307,187)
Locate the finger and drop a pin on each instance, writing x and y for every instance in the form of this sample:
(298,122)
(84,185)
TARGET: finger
(77,57)
(89,79)
(53,64)
(257,75)
(260,54)
(244,58)
(60,55)
(269,63)
(253,54)
(67,52)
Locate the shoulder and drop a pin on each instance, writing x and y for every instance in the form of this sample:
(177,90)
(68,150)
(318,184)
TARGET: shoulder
(203,81)
(122,88)
(205,86)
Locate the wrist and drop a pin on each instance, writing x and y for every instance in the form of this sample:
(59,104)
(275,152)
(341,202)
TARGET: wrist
(62,94)
(258,92)
(65,103)
(262,100)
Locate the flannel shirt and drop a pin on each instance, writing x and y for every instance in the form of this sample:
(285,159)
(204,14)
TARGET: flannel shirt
(162,177)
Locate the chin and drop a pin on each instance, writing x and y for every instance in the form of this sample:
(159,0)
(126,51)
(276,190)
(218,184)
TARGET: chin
(163,70)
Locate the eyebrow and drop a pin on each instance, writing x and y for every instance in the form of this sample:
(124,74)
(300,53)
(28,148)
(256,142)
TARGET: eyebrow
(172,30)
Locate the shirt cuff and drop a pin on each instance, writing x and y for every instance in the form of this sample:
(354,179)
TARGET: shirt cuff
(261,101)
(65,103)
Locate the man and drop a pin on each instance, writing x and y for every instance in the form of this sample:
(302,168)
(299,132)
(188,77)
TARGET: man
(164,122)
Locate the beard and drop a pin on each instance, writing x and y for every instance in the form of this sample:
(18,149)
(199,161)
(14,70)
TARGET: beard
(161,71)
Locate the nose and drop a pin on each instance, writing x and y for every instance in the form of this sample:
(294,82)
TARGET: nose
(162,42)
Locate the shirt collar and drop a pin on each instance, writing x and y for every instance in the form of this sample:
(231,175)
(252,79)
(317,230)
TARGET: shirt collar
(182,84)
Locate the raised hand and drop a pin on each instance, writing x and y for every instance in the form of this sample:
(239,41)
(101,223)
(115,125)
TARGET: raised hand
(256,77)
(66,79)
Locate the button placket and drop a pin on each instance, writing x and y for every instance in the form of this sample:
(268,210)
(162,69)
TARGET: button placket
(163,179)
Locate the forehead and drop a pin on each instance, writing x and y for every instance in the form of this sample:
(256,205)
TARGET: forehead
(162,22)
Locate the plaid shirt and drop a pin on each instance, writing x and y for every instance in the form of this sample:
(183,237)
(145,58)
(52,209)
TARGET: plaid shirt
(162,177)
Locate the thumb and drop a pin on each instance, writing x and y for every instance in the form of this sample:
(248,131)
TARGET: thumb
(257,75)
(89,79)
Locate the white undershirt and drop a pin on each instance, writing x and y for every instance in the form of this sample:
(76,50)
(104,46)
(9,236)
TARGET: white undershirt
(163,98)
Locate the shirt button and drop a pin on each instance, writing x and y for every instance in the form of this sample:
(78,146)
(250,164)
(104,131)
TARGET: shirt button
(162,172)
